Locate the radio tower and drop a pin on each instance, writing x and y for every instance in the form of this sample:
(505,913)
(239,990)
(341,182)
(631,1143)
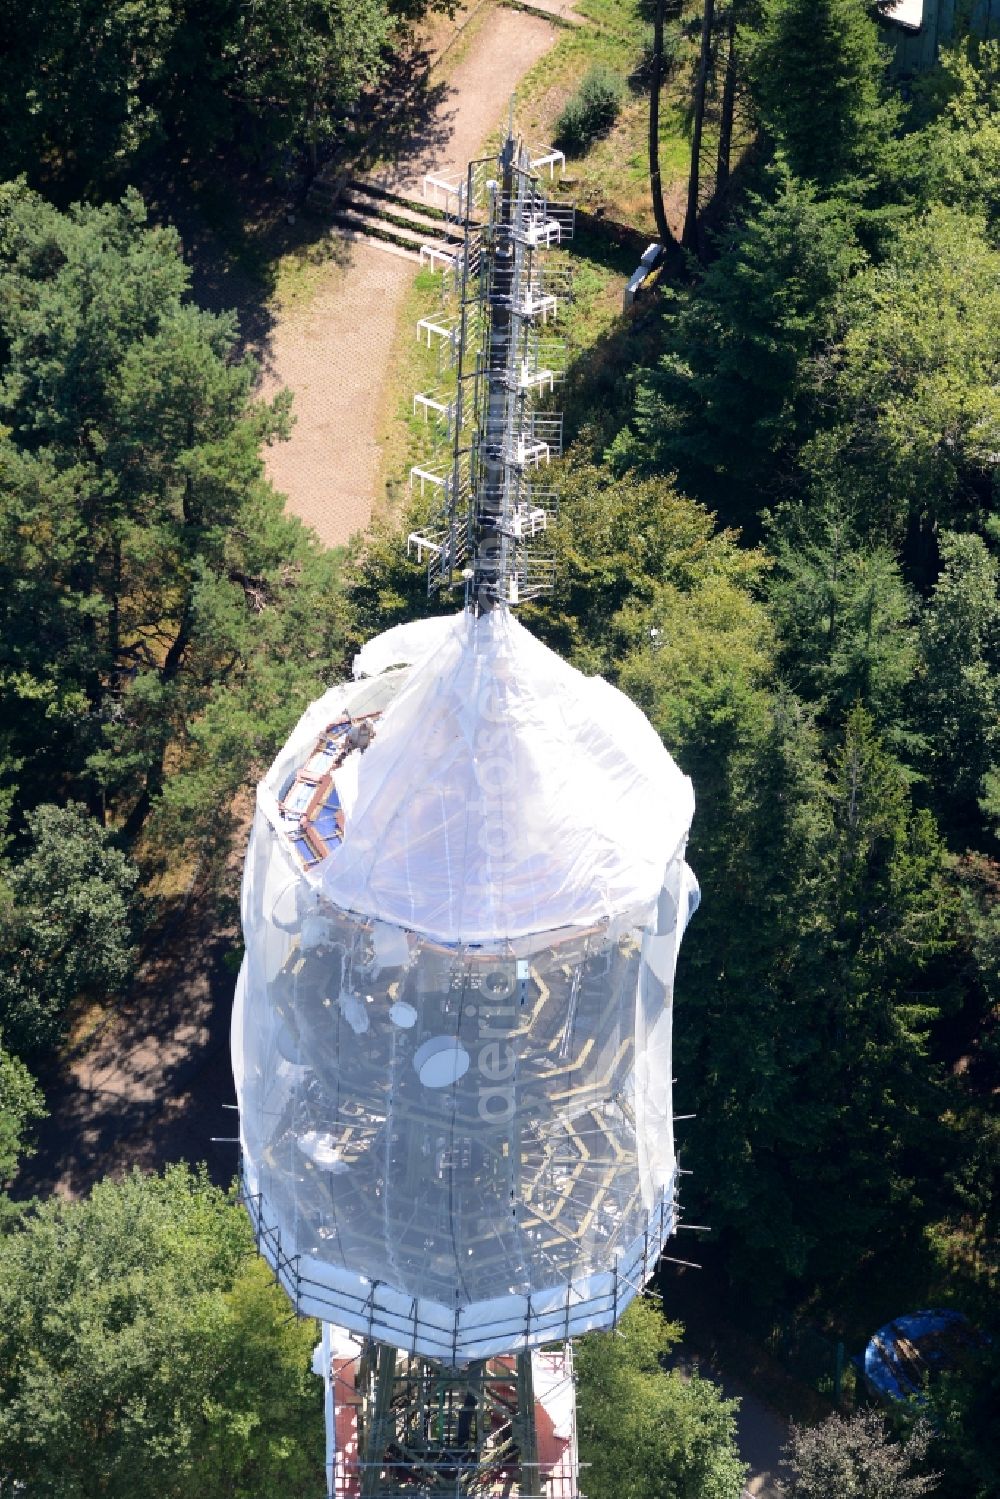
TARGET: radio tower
(463,900)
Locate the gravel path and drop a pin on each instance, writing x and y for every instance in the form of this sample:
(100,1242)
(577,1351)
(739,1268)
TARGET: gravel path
(505,45)
(332,354)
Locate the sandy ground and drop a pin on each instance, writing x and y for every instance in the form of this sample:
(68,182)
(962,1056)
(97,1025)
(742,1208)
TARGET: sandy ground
(332,353)
(476,102)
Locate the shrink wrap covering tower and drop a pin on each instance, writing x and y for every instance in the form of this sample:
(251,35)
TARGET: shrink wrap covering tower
(463,900)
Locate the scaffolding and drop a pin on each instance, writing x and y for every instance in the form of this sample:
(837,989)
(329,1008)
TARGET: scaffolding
(502,360)
(405,1425)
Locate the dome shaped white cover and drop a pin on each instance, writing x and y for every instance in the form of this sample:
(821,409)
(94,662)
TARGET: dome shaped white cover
(505,792)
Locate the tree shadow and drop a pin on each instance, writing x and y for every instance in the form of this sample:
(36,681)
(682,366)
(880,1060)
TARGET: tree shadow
(408,127)
(237,224)
(151,1084)
(596,397)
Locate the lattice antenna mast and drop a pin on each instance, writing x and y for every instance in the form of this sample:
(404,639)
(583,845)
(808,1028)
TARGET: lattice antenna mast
(496,507)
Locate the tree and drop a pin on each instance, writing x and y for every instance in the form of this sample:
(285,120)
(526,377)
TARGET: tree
(816,69)
(915,400)
(647,1433)
(21,1105)
(727,109)
(809,983)
(633,555)
(82,90)
(886,916)
(66,924)
(144,1349)
(856,1459)
(297,68)
(90,90)
(964,1412)
(733,395)
(690,236)
(958,694)
(156,603)
(843,614)
(955,158)
(655,84)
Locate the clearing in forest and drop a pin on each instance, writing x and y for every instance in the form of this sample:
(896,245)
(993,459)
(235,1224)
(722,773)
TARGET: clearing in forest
(332,349)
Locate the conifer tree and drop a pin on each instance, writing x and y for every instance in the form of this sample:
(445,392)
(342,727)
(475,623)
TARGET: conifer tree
(817,72)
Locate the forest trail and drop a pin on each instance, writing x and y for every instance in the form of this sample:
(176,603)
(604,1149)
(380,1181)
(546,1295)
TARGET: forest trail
(332,353)
(761,1432)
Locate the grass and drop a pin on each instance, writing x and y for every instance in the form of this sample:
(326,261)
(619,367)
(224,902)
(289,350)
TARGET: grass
(599,270)
(613,174)
(298,275)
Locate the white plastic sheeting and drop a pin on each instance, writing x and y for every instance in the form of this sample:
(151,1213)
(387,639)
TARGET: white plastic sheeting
(506,793)
(452,1036)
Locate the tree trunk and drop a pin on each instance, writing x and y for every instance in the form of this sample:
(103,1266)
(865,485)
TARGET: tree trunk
(133,824)
(690,239)
(655,183)
(728,104)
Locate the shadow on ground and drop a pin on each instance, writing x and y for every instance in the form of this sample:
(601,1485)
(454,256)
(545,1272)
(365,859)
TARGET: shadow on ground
(151,1085)
(237,226)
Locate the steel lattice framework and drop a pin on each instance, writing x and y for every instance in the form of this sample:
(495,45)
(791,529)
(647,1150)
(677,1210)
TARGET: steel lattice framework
(494,504)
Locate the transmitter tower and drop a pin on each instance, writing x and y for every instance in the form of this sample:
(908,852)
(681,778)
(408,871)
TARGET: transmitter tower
(463,900)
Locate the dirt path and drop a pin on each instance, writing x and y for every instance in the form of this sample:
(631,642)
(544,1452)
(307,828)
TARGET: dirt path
(330,355)
(760,1432)
(333,352)
(150,1086)
(505,44)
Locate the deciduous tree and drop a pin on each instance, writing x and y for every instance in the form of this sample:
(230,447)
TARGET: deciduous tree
(21,1104)
(856,1459)
(647,1433)
(144,1349)
(66,924)
(915,398)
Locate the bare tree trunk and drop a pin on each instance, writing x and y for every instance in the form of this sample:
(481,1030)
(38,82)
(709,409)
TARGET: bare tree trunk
(728,104)
(655,182)
(690,238)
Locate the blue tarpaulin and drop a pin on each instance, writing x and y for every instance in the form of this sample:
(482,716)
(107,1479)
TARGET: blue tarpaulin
(904,1352)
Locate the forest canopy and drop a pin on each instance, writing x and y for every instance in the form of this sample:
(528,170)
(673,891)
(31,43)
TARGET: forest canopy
(778,531)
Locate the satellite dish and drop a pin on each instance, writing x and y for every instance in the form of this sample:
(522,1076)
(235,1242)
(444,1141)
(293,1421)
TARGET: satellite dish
(440,1062)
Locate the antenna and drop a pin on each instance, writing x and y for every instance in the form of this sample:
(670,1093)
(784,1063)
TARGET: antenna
(495,506)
